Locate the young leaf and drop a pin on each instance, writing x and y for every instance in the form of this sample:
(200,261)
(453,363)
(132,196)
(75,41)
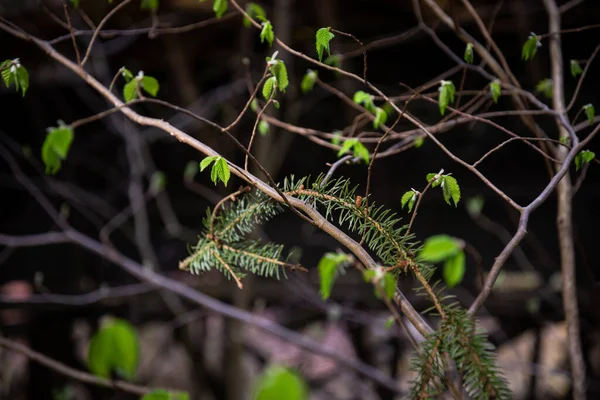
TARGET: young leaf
(150,85)
(206,162)
(447,91)
(223,172)
(475,205)
(389,285)
(545,87)
(436,176)
(269,87)
(530,47)
(438,248)
(361,151)
(75,3)
(190,171)
(127,74)
(263,128)
(469,53)
(280,72)
(158,181)
(454,269)
(114,348)
(409,198)
(346,146)
(149,5)
(584,156)
(495,90)
(575,68)
(278,382)
(419,142)
(590,112)
(450,189)
(334,61)
(22,79)
(380,117)
(329,265)
(219,7)
(130,90)
(389,322)
(254,11)
(323,37)
(368,275)
(13,73)
(336,139)
(56,147)
(161,394)
(266,33)
(308,81)
(365,99)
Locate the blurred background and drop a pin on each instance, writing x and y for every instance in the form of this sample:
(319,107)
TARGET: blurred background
(209,70)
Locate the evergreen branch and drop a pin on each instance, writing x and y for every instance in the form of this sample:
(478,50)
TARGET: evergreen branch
(231,197)
(228,268)
(259,258)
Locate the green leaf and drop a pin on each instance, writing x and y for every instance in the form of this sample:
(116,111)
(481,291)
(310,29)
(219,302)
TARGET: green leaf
(545,87)
(365,99)
(451,190)
(584,156)
(278,382)
(280,72)
(419,142)
(368,275)
(575,68)
(130,90)
(495,90)
(436,176)
(150,85)
(454,269)
(206,162)
(329,266)
(254,105)
(346,146)
(23,79)
(409,198)
(389,285)
(263,128)
(114,348)
(323,37)
(334,61)
(266,33)
(75,3)
(219,7)
(254,11)
(149,5)
(475,205)
(590,112)
(336,139)
(438,248)
(380,117)
(165,395)
(56,147)
(469,53)
(127,74)
(158,181)
(190,171)
(389,322)
(223,172)
(361,151)
(269,87)
(530,47)
(308,81)
(447,91)
(13,73)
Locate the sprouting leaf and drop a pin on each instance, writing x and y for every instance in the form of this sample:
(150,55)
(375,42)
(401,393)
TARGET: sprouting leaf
(13,73)
(280,72)
(220,170)
(564,140)
(75,3)
(545,87)
(575,68)
(219,7)
(438,248)
(323,37)
(158,181)
(337,138)
(149,5)
(278,382)
(365,99)
(590,112)
(433,175)
(584,156)
(206,162)
(329,266)
(56,147)
(114,348)
(190,171)
(254,11)
(266,33)
(361,151)
(409,198)
(451,190)
(447,91)
(308,81)
(334,60)
(419,142)
(475,205)
(389,285)
(454,269)
(263,128)
(389,322)
(380,117)
(22,79)
(150,85)
(269,87)
(469,53)
(130,90)
(127,74)
(495,90)
(346,146)
(369,275)
(161,394)
(530,47)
